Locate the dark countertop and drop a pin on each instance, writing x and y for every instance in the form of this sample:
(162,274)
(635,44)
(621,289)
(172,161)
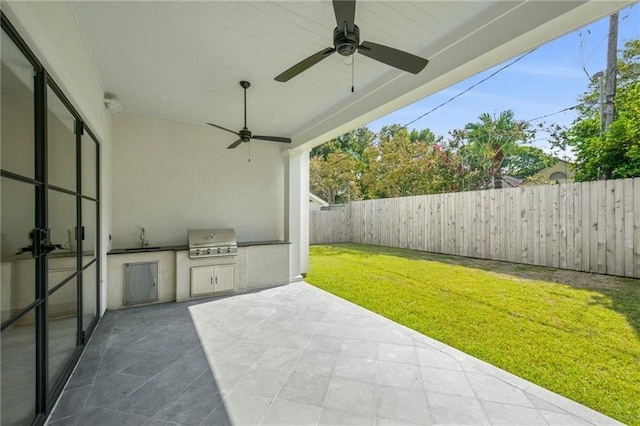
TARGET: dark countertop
(261,243)
(147,249)
(186,247)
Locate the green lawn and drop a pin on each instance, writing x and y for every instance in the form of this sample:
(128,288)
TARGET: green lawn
(574,333)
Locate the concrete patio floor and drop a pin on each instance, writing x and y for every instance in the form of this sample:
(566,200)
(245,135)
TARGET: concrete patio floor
(290,355)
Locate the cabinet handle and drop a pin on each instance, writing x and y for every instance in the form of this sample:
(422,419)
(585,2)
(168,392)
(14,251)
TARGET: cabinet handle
(211,279)
(216,279)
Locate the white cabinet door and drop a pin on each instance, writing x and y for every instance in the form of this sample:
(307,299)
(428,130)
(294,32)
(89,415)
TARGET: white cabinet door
(202,281)
(225,278)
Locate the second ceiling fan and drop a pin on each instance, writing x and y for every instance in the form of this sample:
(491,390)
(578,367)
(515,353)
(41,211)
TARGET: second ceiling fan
(346,41)
(244,134)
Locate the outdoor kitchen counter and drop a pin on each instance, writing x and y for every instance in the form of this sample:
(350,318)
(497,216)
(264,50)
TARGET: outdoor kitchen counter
(186,247)
(259,264)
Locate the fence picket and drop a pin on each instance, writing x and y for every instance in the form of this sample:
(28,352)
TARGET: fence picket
(628,227)
(610,234)
(574,227)
(618,225)
(562,227)
(636,227)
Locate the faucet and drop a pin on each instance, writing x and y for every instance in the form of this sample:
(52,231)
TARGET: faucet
(144,244)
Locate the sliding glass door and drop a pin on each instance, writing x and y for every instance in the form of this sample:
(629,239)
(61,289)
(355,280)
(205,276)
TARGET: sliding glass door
(49,235)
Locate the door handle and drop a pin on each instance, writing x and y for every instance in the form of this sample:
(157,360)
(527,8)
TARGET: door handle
(40,243)
(28,249)
(47,248)
(51,247)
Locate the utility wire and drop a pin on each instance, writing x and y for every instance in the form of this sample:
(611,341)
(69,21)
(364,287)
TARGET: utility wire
(552,113)
(581,60)
(469,88)
(457,95)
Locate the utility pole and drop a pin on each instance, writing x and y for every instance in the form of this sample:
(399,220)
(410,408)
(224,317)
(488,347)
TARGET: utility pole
(599,77)
(610,85)
(612,69)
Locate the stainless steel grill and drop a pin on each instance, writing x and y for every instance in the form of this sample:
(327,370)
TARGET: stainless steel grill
(212,242)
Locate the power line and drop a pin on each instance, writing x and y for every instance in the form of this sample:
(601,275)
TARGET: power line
(457,95)
(553,113)
(469,88)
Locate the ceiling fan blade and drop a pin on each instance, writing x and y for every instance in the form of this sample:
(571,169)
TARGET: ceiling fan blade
(222,128)
(393,57)
(235,144)
(345,11)
(305,64)
(271,138)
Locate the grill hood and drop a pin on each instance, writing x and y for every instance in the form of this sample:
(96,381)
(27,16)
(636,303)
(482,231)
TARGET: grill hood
(212,242)
(203,238)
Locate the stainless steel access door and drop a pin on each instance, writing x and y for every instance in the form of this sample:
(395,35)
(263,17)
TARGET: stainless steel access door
(141,282)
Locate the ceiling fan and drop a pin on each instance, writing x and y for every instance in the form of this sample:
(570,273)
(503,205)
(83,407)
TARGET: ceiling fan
(346,41)
(245,134)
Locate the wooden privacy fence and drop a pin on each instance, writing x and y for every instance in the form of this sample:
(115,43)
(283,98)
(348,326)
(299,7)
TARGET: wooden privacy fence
(588,226)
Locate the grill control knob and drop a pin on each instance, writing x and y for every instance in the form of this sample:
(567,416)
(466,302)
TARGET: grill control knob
(220,250)
(197,252)
(208,251)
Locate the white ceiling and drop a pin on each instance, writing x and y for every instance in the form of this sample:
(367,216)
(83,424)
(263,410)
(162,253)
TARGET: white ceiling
(183,60)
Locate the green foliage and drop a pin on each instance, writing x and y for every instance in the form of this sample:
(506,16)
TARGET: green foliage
(353,143)
(394,163)
(400,166)
(424,135)
(571,332)
(336,166)
(486,143)
(398,162)
(616,153)
(525,161)
(537,179)
(334,178)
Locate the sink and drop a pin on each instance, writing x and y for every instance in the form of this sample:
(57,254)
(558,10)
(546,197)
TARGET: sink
(143,249)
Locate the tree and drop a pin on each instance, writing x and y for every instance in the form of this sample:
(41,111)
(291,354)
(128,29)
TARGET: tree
(334,178)
(616,152)
(353,143)
(424,135)
(399,167)
(537,179)
(485,144)
(525,161)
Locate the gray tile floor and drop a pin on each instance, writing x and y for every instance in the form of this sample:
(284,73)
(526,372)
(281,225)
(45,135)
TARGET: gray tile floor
(291,355)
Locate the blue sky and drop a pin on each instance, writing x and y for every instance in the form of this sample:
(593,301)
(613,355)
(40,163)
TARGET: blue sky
(548,80)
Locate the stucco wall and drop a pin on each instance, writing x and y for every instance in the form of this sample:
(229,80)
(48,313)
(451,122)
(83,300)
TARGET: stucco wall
(169,177)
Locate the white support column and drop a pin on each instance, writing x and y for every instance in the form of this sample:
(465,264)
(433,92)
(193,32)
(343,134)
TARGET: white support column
(297,212)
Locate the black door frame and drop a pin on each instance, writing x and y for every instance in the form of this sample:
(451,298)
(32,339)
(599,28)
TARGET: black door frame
(45,398)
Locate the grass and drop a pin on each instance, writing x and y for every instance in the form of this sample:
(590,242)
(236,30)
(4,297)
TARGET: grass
(574,333)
